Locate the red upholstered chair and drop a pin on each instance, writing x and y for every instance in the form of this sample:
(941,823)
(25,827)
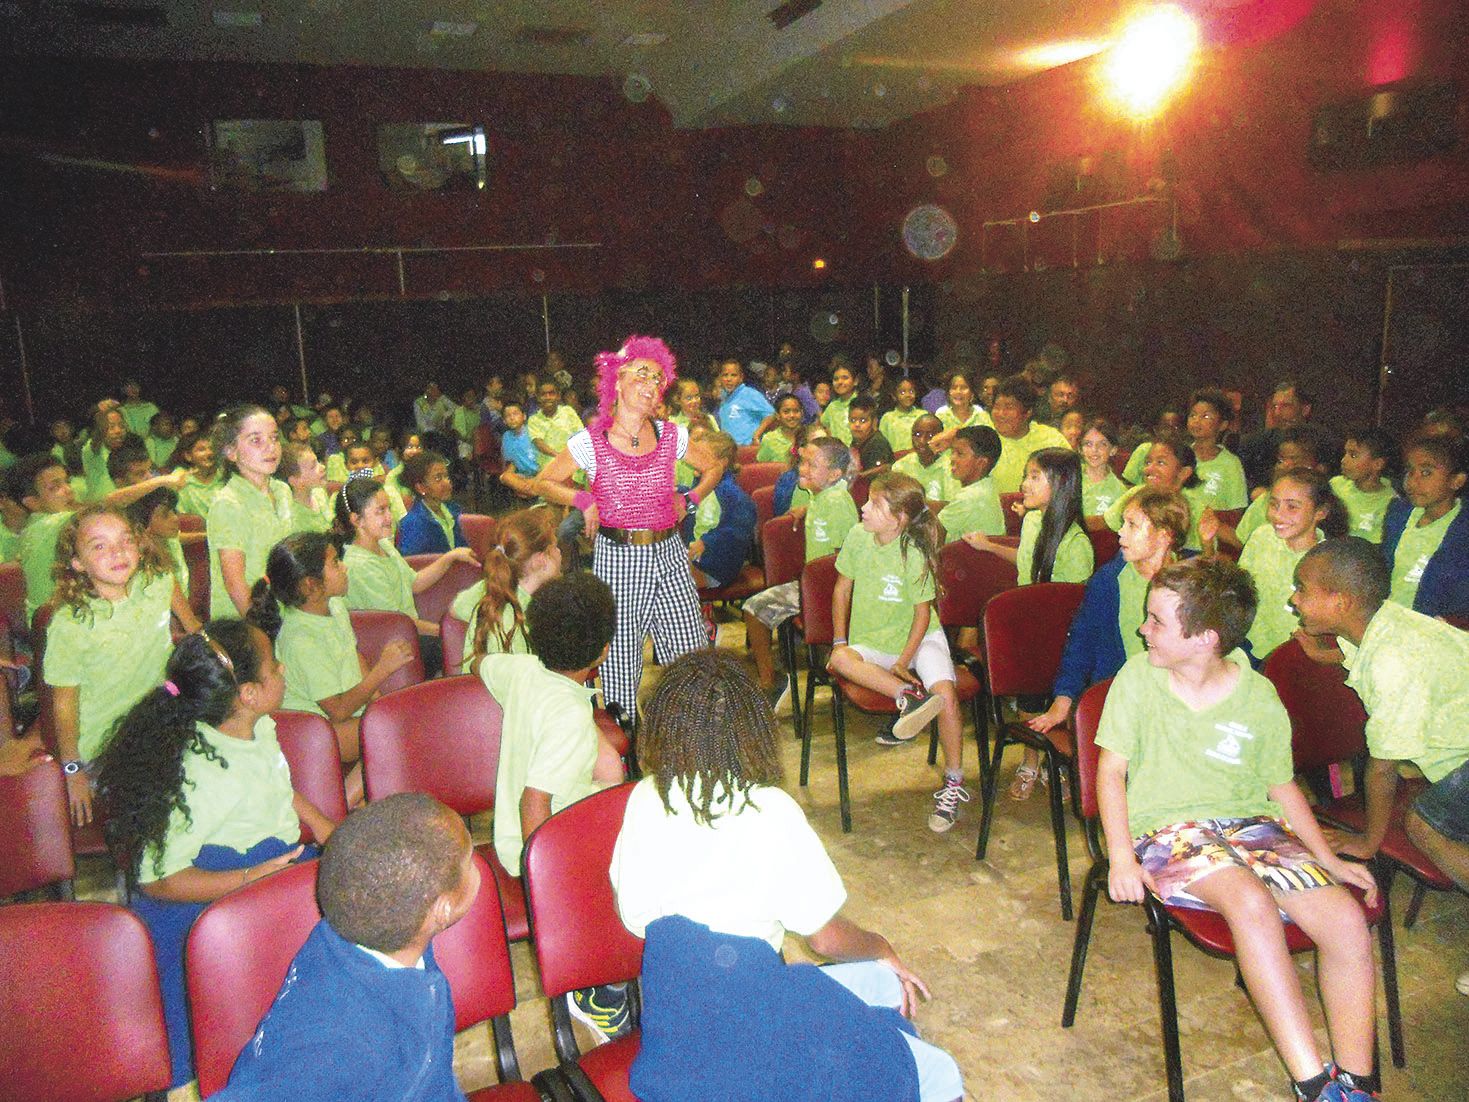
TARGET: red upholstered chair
(375,630)
(1119,460)
(35,832)
(754,475)
(1104,545)
(443,738)
(79,1009)
(188,522)
(486,462)
(13,595)
(1230,517)
(1012,518)
(764,499)
(196,558)
(454,638)
(745,454)
(433,603)
(1024,634)
(578,938)
(1207,930)
(309,744)
(480,531)
(859,488)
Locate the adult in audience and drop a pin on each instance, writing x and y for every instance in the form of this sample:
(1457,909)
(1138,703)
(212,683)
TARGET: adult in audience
(1289,408)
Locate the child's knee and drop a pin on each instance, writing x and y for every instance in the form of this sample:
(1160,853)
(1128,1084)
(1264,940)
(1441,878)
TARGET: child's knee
(1247,901)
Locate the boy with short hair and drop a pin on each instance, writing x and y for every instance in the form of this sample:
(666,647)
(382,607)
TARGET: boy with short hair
(830,515)
(874,453)
(929,468)
(975,505)
(432,524)
(1019,435)
(129,463)
(1199,805)
(162,439)
(552,425)
(1361,488)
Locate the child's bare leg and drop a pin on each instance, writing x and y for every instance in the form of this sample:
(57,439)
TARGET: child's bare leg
(846,662)
(1259,942)
(355,790)
(609,768)
(1344,969)
(760,640)
(951,727)
(1452,857)
(349,749)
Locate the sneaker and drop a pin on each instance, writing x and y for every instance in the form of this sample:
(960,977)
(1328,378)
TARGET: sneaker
(603,1010)
(946,803)
(916,707)
(778,692)
(1461,985)
(710,628)
(886,737)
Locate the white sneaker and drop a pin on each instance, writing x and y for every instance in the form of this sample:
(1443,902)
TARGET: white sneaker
(1461,985)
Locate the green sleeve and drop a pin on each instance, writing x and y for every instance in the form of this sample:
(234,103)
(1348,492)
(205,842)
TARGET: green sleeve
(706,516)
(1113,516)
(1075,558)
(1133,472)
(65,641)
(1233,493)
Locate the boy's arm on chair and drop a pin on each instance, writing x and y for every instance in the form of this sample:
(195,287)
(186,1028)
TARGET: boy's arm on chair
(1127,880)
(535,809)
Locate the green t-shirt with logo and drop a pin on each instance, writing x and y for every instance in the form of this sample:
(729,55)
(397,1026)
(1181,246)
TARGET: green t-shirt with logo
(553,431)
(951,420)
(973,508)
(1183,765)
(1416,547)
(1097,497)
(1074,560)
(1272,564)
(897,426)
(775,447)
(1366,509)
(379,581)
(830,516)
(1222,481)
(937,480)
(196,495)
(888,583)
(316,516)
(834,417)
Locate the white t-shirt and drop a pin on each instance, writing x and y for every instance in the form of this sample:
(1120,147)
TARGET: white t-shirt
(757,873)
(580,447)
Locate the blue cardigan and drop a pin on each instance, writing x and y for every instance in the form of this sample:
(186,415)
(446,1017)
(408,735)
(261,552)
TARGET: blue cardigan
(419,532)
(1444,590)
(727,546)
(1094,644)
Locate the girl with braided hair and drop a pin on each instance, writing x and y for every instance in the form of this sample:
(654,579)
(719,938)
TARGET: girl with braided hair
(494,607)
(199,796)
(713,865)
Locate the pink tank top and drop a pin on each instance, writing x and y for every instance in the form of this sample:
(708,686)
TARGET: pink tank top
(635,491)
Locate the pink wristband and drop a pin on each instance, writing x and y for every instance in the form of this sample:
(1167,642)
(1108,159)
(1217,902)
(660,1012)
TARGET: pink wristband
(693,495)
(583,500)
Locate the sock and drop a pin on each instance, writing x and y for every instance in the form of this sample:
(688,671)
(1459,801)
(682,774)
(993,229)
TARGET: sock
(953,776)
(1372,1084)
(1310,1089)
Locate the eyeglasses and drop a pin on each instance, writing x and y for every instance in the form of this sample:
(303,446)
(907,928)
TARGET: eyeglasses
(642,374)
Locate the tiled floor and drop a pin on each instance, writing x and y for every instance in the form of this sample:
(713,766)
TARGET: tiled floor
(989,939)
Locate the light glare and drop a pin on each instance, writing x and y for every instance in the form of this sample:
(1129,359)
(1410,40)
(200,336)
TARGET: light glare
(1151,58)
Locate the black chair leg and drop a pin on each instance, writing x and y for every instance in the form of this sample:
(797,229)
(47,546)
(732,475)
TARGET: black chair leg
(1058,828)
(1167,998)
(933,742)
(804,726)
(839,726)
(1415,904)
(981,740)
(1388,943)
(1096,880)
(987,810)
(793,681)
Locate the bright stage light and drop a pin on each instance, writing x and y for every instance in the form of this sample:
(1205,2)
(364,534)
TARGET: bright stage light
(1151,58)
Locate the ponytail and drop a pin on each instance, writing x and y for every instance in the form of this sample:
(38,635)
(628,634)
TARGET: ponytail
(904,496)
(296,558)
(1335,523)
(523,534)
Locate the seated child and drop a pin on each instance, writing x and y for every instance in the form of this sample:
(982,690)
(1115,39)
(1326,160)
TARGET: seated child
(1361,486)
(204,477)
(299,605)
(552,424)
(1195,782)
(526,557)
(109,432)
(1220,472)
(724,521)
(162,440)
(1170,468)
(311,505)
(840,392)
(1072,424)
(925,464)
(200,797)
(518,452)
(366,1011)
(129,463)
(409,445)
(874,453)
(975,504)
(714,863)
(1426,537)
(432,525)
(897,424)
(1297,448)
(779,441)
(1170,422)
(789,494)
(1100,486)
(830,515)
(688,411)
(155,515)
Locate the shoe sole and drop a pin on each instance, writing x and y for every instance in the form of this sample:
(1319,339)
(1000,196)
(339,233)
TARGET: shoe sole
(915,720)
(887,738)
(939,825)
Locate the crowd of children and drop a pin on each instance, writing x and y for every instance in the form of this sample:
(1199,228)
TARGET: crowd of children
(308,514)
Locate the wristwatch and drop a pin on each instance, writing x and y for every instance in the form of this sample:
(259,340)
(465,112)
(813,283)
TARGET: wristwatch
(71,768)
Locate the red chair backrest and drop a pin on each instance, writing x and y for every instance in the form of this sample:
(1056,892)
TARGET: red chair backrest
(1327,721)
(454,638)
(745,454)
(1084,731)
(487,454)
(764,499)
(433,603)
(310,746)
(1012,518)
(1024,633)
(859,489)
(480,532)
(45,699)
(969,578)
(1104,544)
(476,957)
(579,939)
(13,595)
(1119,460)
(190,523)
(35,832)
(818,579)
(785,549)
(755,475)
(196,558)
(375,630)
(79,1009)
(441,737)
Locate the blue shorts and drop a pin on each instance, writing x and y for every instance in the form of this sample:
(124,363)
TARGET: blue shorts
(1445,805)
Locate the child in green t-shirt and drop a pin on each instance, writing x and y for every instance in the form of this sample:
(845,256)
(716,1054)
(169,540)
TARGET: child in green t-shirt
(925,464)
(1361,486)
(525,557)
(1100,486)
(1297,448)
(203,478)
(305,474)
(887,636)
(1200,808)
(975,505)
(897,424)
(156,516)
(252,512)
(1220,472)
(779,441)
(834,415)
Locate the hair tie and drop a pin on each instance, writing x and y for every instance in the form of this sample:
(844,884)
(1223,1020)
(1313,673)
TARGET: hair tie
(170,688)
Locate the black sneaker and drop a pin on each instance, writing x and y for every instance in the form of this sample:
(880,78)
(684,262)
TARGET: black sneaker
(603,1010)
(886,737)
(946,803)
(915,708)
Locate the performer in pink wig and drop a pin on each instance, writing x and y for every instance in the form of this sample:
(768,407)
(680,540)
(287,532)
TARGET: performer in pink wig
(633,509)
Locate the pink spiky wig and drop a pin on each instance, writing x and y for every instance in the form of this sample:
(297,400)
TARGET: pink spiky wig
(610,363)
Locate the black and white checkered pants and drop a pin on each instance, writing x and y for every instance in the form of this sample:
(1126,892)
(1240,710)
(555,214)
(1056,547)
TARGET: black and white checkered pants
(655,595)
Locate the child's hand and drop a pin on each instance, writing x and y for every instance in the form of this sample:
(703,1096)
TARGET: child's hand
(175,480)
(1018,508)
(1350,872)
(696,549)
(275,864)
(394,656)
(978,540)
(913,987)
(1208,525)
(1348,844)
(1051,717)
(464,554)
(1128,881)
(591,520)
(1319,648)
(901,671)
(79,798)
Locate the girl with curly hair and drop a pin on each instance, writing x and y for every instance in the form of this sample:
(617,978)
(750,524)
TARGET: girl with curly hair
(109,636)
(526,557)
(199,796)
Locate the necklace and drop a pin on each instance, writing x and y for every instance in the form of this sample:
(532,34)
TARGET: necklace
(634,438)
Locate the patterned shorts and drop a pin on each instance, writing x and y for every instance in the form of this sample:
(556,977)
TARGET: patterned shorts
(1181,853)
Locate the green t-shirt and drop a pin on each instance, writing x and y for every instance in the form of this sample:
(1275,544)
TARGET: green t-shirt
(937,480)
(950,419)
(1412,673)
(1133,471)
(973,508)
(94,467)
(319,654)
(248,520)
(706,516)
(112,653)
(1366,510)
(1183,765)
(195,496)
(37,552)
(553,431)
(887,585)
(137,416)
(834,417)
(466,421)
(1253,519)
(383,582)
(1194,495)
(1132,609)
(1074,555)
(445,519)
(1010,470)
(548,742)
(397,497)
(1416,547)
(336,468)
(1097,497)
(237,800)
(1222,481)
(897,426)
(775,447)
(466,607)
(160,450)
(9,544)
(830,515)
(314,517)
(1272,564)
(180,565)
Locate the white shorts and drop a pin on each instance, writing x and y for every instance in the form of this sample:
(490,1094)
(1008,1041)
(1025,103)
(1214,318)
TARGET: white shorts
(931,663)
